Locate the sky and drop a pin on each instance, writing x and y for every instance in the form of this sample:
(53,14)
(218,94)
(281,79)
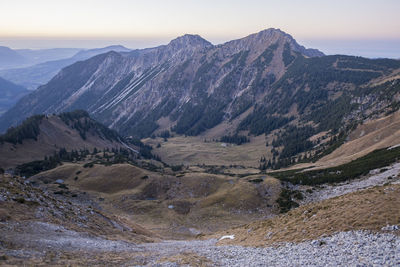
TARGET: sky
(368,28)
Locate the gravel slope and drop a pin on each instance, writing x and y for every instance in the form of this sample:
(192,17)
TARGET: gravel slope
(358,248)
(375,178)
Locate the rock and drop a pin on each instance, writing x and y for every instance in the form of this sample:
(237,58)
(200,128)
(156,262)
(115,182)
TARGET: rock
(194,231)
(227,237)
(390,228)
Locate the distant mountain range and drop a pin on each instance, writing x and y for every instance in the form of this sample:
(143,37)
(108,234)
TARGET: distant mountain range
(10,58)
(49,63)
(17,58)
(257,84)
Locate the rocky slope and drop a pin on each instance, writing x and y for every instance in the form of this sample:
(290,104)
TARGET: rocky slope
(265,83)
(30,215)
(38,228)
(195,84)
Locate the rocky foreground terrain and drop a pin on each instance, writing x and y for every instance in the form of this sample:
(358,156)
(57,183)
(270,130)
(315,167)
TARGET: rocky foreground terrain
(54,245)
(37,228)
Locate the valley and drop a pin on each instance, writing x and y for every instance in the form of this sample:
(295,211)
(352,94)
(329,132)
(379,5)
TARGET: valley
(254,152)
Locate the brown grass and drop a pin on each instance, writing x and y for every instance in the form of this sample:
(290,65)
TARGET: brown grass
(383,79)
(375,134)
(193,150)
(99,178)
(188,258)
(372,135)
(53,136)
(206,202)
(369,209)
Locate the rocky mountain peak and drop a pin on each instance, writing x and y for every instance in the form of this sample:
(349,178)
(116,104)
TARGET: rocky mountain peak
(189,40)
(267,34)
(261,40)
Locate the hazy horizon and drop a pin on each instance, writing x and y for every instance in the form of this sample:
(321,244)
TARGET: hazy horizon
(366,28)
(365,48)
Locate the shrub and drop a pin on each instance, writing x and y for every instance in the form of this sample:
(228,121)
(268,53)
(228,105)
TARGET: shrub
(176,168)
(361,166)
(285,201)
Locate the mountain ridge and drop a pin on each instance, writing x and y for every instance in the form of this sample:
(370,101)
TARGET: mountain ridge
(190,86)
(138,64)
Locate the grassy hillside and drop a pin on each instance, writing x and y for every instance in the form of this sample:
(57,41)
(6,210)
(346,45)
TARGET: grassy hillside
(369,209)
(182,203)
(41,136)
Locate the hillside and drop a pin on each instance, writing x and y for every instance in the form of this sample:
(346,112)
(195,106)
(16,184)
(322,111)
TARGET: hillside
(371,209)
(91,219)
(41,136)
(10,58)
(369,136)
(10,93)
(305,103)
(41,219)
(178,204)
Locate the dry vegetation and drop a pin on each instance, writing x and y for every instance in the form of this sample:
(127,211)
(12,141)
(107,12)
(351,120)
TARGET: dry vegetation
(188,258)
(193,150)
(81,258)
(372,135)
(54,134)
(369,209)
(184,204)
(28,204)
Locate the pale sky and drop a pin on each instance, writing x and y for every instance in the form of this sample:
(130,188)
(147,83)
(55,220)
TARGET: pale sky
(333,26)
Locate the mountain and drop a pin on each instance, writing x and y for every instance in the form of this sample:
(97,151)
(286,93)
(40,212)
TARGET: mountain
(36,56)
(254,85)
(10,93)
(40,136)
(10,58)
(85,54)
(170,79)
(18,58)
(33,76)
